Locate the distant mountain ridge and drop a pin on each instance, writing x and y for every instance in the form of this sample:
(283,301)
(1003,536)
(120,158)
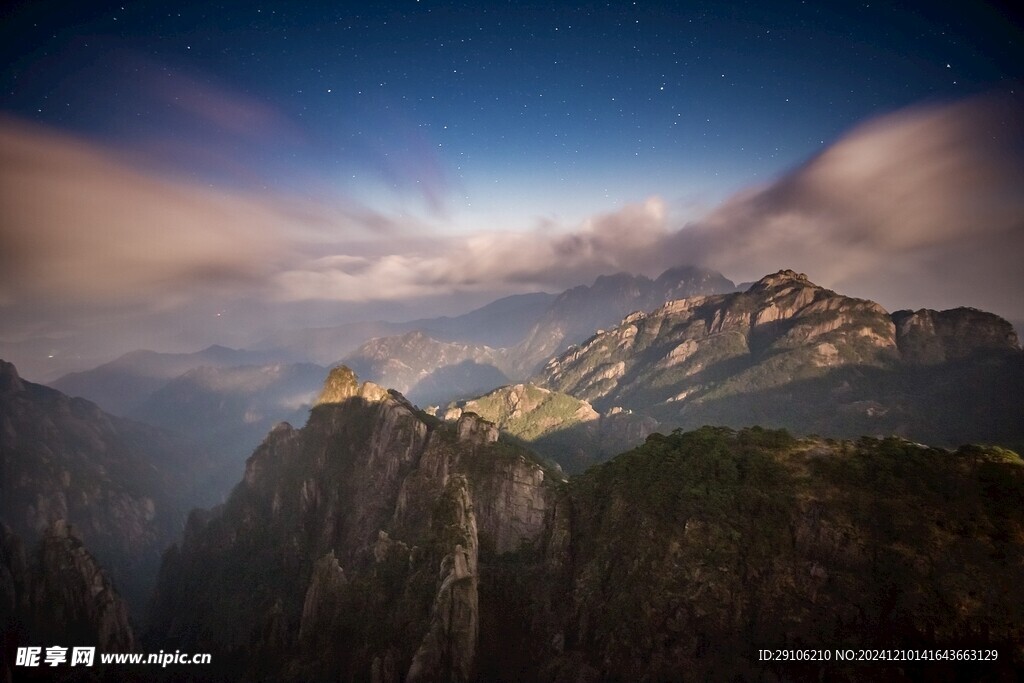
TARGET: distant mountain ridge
(787,352)
(497,324)
(125,382)
(430,370)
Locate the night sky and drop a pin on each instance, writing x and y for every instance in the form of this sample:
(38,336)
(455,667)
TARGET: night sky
(375,134)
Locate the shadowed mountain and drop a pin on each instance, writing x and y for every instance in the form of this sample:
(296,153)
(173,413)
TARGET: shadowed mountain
(121,385)
(353,544)
(125,486)
(377,543)
(499,323)
(228,411)
(56,595)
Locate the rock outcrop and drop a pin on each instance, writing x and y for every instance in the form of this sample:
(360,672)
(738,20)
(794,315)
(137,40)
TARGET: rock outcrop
(577,312)
(57,595)
(782,329)
(564,429)
(360,538)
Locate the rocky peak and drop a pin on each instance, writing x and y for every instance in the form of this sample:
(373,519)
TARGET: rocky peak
(782,278)
(342,384)
(473,429)
(10,382)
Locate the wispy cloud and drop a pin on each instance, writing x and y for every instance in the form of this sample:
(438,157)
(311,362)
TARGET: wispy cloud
(922,205)
(83,227)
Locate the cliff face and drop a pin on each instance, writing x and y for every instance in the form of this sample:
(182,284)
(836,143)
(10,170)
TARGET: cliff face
(783,328)
(352,546)
(58,595)
(577,312)
(123,485)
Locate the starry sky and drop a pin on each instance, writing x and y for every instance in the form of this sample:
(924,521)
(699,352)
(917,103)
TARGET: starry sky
(337,140)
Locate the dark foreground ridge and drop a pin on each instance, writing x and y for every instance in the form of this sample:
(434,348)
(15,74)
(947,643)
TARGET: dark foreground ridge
(378,543)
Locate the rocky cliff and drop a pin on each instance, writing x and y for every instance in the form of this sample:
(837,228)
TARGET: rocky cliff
(783,328)
(57,595)
(123,485)
(353,546)
(578,312)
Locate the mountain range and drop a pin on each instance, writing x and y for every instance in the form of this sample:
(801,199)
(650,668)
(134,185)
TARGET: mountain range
(378,543)
(578,522)
(788,353)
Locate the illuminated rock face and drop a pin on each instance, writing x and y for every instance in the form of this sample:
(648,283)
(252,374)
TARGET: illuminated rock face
(789,353)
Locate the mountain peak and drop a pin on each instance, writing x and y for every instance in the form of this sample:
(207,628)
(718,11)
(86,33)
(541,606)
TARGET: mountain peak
(10,382)
(342,384)
(783,277)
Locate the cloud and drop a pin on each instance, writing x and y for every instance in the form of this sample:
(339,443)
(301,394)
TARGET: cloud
(923,205)
(541,259)
(919,208)
(81,227)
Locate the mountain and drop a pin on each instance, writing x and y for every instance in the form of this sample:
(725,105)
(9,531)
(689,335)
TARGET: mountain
(789,353)
(578,312)
(125,486)
(566,430)
(677,560)
(428,370)
(124,383)
(377,543)
(227,411)
(500,323)
(58,595)
(353,544)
